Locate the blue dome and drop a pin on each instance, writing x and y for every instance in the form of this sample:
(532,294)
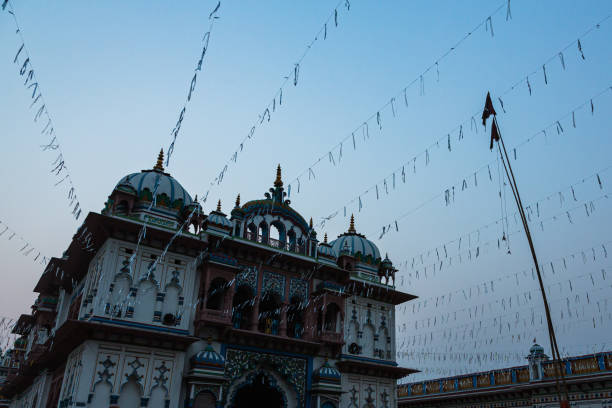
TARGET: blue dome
(147,180)
(327,372)
(209,358)
(357,245)
(536,349)
(325,250)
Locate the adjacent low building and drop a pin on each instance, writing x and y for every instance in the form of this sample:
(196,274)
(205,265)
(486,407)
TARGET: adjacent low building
(588,378)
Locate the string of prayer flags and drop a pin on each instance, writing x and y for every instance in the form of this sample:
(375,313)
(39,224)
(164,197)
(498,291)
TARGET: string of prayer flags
(60,170)
(192,85)
(420,79)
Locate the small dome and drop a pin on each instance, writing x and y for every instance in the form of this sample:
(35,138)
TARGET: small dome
(536,349)
(218,218)
(327,372)
(137,183)
(208,358)
(357,245)
(326,252)
(275,204)
(386,263)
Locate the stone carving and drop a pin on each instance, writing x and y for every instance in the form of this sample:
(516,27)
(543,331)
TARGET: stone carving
(291,369)
(298,288)
(248,277)
(274,283)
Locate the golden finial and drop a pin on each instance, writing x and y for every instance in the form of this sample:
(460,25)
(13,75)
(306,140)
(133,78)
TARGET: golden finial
(238,201)
(160,161)
(219,206)
(196,198)
(352,225)
(325,238)
(310,223)
(278,182)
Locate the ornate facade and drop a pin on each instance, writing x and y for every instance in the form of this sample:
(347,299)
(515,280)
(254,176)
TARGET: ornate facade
(588,377)
(236,309)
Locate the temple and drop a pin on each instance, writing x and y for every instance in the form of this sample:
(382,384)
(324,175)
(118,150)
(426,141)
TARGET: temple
(237,309)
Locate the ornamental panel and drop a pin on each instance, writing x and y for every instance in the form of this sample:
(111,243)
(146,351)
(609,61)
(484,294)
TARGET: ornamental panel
(292,369)
(274,283)
(298,287)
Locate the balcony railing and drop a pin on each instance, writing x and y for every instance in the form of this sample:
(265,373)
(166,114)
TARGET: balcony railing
(275,243)
(215,317)
(331,337)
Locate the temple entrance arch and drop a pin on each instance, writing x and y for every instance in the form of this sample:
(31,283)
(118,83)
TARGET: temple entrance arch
(259,389)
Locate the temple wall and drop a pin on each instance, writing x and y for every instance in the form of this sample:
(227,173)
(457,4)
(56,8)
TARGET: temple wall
(34,396)
(100,374)
(162,294)
(372,328)
(359,391)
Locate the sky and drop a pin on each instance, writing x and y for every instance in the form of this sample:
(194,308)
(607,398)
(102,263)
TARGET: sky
(115,75)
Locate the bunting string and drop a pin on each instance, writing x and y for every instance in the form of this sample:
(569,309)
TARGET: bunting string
(505,301)
(212,17)
(363,128)
(23,245)
(42,117)
(532,209)
(463,184)
(445,139)
(279,97)
(471,254)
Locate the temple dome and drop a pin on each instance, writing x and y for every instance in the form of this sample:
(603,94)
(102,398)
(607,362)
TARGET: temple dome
(327,372)
(275,204)
(536,349)
(217,217)
(357,245)
(325,250)
(139,183)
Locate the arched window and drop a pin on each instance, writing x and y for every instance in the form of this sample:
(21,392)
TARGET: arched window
(332,318)
(216,294)
(269,313)
(277,234)
(263,233)
(205,399)
(241,307)
(295,318)
(292,239)
(122,208)
(251,232)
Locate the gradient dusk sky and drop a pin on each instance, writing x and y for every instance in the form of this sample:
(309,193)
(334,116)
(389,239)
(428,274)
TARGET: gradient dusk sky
(115,74)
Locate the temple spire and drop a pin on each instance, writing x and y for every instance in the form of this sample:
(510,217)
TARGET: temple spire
(310,223)
(325,238)
(238,201)
(160,161)
(278,182)
(352,225)
(219,206)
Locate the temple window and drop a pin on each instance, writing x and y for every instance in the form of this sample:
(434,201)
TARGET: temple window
(332,318)
(277,234)
(269,313)
(262,233)
(292,239)
(251,232)
(216,294)
(242,307)
(295,318)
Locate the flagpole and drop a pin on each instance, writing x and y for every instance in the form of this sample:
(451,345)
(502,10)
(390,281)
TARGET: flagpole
(496,136)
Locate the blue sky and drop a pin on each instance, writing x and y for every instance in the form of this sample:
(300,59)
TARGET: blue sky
(115,75)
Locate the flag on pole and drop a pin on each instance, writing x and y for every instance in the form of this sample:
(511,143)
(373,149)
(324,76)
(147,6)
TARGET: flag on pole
(494,134)
(488,109)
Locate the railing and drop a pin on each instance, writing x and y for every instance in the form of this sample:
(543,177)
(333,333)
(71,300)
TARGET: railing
(331,337)
(275,243)
(217,317)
